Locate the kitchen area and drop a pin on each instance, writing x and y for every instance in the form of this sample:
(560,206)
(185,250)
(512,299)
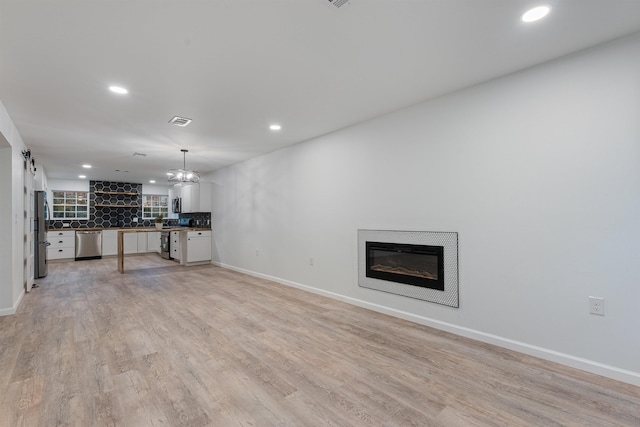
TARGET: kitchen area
(118,219)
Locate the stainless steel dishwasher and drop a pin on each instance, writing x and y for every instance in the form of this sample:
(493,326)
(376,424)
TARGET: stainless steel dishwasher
(88,245)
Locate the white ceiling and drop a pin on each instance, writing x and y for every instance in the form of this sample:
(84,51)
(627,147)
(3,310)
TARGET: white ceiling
(236,66)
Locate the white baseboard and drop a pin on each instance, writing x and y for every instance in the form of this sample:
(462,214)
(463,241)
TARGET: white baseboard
(12,310)
(591,366)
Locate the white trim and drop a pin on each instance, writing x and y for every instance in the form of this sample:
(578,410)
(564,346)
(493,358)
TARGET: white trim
(12,310)
(591,366)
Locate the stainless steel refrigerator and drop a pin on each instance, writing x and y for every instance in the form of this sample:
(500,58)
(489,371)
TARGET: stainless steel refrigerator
(40,217)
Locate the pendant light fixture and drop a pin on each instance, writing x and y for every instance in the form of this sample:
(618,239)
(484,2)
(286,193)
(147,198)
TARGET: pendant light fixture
(183,175)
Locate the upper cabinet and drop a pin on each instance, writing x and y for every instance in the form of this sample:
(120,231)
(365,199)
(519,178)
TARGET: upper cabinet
(195,197)
(190,198)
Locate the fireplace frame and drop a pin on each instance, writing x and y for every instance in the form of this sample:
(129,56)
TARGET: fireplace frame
(448,240)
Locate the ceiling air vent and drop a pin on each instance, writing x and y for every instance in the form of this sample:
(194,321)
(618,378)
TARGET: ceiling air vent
(180,121)
(339,3)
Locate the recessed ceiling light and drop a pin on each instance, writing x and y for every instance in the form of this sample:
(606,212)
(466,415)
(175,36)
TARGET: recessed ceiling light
(82,176)
(118,89)
(86,166)
(536,13)
(151,181)
(275,127)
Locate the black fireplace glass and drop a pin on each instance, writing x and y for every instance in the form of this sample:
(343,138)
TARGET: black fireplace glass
(416,265)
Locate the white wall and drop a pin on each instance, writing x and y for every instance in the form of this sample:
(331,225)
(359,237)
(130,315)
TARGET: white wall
(83,185)
(6,232)
(68,184)
(12,186)
(538,172)
(155,189)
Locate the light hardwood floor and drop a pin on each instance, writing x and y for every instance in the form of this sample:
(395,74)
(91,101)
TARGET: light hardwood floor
(164,345)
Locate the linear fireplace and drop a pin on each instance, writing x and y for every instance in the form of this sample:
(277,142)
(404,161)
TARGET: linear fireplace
(417,265)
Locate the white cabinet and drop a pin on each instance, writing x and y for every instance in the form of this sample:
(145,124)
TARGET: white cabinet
(174,245)
(130,243)
(109,242)
(190,195)
(153,242)
(196,197)
(142,242)
(134,243)
(198,246)
(62,244)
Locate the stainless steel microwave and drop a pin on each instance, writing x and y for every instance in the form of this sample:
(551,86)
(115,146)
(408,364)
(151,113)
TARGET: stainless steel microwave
(176,205)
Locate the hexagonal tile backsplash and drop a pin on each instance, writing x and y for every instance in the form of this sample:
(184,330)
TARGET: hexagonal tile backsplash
(116,215)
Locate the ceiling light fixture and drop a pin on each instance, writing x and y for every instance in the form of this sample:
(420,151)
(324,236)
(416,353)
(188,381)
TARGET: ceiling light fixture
(82,176)
(536,13)
(183,175)
(151,181)
(86,166)
(119,90)
(275,127)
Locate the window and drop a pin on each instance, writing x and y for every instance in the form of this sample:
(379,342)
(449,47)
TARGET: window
(154,205)
(70,205)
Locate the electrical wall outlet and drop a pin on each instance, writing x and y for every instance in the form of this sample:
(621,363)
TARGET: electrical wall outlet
(311,261)
(596,306)
(257,252)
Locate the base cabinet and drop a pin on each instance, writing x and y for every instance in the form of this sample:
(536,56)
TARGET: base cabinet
(198,246)
(142,243)
(63,244)
(130,243)
(153,242)
(134,243)
(174,245)
(109,242)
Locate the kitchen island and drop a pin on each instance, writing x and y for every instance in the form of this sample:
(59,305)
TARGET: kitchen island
(184,241)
